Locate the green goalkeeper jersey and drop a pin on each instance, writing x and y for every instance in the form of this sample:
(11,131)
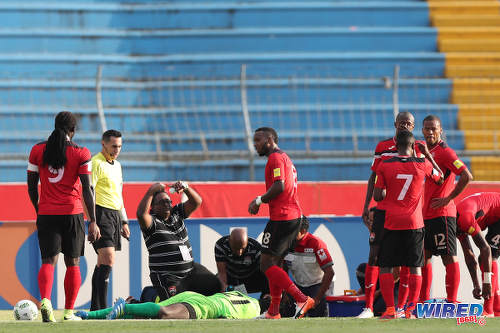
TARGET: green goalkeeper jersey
(231,305)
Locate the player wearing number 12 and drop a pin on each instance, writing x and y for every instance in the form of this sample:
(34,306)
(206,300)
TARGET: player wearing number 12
(440,211)
(400,181)
(284,224)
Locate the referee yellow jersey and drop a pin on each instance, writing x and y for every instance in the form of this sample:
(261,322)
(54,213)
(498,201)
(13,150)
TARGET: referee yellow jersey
(108,182)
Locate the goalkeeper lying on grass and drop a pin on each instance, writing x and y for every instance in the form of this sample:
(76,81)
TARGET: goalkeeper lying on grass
(186,305)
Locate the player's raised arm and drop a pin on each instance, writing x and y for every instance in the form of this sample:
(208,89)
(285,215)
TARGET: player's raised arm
(194,199)
(143,215)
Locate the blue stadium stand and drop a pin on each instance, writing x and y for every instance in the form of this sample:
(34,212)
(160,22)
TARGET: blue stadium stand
(339,51)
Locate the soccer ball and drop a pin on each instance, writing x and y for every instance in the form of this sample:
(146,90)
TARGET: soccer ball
(25,310)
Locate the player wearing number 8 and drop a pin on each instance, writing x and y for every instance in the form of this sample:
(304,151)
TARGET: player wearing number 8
(399,183)
(440,211)
(284,224)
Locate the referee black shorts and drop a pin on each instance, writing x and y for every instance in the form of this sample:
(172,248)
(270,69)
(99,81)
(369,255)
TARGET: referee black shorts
(441,236)
(280,236)
(109,222)
(61,233)
(402,248)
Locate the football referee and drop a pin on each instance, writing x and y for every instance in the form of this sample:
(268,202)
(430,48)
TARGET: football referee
(110,213)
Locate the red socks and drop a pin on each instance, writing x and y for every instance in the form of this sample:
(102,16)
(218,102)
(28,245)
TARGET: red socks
(452,281)
(278,277)
(387,288)
(274,307)
(404,278)
(371,277)
(415,284)
(72,281)
(45,280)
(425,291)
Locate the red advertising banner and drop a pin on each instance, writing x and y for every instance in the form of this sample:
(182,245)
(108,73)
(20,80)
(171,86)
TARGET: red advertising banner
(230,199)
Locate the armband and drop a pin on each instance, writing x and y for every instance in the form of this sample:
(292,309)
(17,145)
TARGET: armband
(258,201)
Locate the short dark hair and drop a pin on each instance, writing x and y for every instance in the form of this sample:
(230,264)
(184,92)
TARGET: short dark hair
(269,131)
(431,117)
(304,224)
(111,133)
(404,139)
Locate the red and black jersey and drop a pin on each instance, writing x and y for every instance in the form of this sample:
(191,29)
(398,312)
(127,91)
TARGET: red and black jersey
(285,206)
(403,178)
(61,190)
(478,211)
(451,165)
(387,149)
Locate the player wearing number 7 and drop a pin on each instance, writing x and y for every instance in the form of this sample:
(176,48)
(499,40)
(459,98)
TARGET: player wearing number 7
(284,223)
(440,211)
(400,182)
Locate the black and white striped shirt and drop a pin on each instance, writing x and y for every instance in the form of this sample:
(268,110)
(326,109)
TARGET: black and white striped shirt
(238,267)
(167,241)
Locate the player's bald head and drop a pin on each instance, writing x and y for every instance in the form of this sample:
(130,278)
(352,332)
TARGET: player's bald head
(238,241)
(404,122)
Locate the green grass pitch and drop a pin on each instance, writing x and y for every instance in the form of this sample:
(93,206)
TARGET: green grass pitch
(313,325)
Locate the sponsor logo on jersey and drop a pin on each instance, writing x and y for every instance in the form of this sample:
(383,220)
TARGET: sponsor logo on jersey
(308,250)
(471,230)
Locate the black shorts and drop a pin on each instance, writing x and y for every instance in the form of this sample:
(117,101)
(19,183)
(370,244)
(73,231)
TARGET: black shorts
(493,239)
(199,280)
(109,222)
(441,236)
(402,248)
(255,283)
(61,233)
(280,236)
(377,231)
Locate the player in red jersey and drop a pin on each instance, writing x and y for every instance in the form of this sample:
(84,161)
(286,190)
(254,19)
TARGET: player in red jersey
(385,149)
(440,211)
(399,183)
(60,166)
(311,267)
(284,223)
(475,213)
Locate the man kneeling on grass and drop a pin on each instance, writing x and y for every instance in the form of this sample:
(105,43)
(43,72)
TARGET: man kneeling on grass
(186,305)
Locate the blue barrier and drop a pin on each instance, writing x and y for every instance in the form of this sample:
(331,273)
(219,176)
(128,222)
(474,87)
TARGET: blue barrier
(290,117)
(230,14)
(220,92)
(222,65)
(417,39)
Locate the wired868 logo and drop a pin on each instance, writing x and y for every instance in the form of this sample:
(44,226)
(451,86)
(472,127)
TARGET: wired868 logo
(462,312)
